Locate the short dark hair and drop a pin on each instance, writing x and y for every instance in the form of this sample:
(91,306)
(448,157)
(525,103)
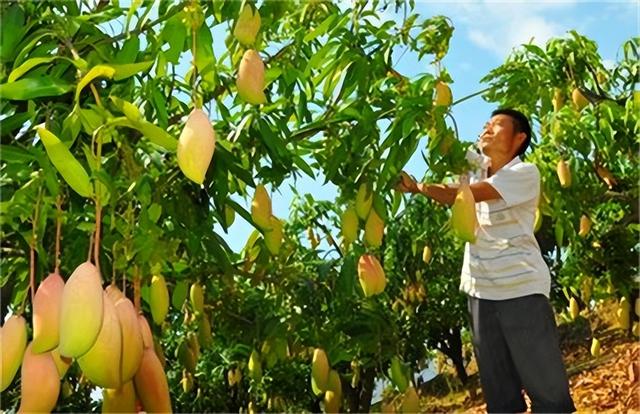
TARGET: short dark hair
(520,124)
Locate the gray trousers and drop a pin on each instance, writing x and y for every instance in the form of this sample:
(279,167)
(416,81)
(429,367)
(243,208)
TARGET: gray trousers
(516,346)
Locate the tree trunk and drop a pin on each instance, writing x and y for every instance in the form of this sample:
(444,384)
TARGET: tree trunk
(366,390)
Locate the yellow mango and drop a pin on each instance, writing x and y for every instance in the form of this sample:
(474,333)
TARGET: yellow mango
(101,364)
(579,100)
(132,341)
(159,299)
(204,331)
(40,384)
(255,366)
(426,254)
(537,222)
(247,25)
(46,313)
(62,363)
(574,309)
(333,395)
(273,237)
(81,311)
(371,275)
(196,294)
(13,341)
(121,400)
(564,174)
(320,370)
(558,99)
(250,80)
(261,208)
(463,214)
(443,94)
(349,225)
(585,225)
(151,384)
(364,200)
(196,145)
(595,347)
(374,229)
(145,332)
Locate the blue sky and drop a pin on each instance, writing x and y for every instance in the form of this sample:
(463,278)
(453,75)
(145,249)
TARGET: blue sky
(485,33)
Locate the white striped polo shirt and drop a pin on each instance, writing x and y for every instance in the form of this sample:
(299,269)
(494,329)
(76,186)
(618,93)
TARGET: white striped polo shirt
(505,261)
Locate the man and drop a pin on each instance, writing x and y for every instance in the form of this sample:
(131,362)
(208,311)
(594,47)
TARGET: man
(507,282)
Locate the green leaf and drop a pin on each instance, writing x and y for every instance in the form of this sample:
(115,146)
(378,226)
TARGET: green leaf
(321,29)
(67,165)
(13,28)
(157,135)
(174,32)
(31,88)
(15,154)
(205,59)
(95,72)
(129,69)
(27,66)
(129,50)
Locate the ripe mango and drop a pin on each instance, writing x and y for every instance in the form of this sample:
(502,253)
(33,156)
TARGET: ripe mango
(151,384)
(250,80)
(46,313)
(40,384)
(132,341)
(159,299)
(578,99)
(426,254)
(196,145)
(247,26)
(595,348)
(463,214)
(145,332)
(585,225)
(101,364)
(410,401)
(320,369)
(261,208)
(443,94)
(349,225)
(81,311)
(333,395)
(196,294)
(13,341)
(574,309)
(255,366)
(121,400)
(364,200)
(371,275)
(374,229)
(62,363)
(606,176)
(637,306)
(564,174)
(273,236)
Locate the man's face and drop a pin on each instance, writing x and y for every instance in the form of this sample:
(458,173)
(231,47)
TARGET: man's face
(499,138)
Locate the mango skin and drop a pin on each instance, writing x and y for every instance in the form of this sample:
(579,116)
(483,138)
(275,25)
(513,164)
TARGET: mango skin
(132,342)
(13,342)
(364,200)
(250,80)
(46,313)
(463,215)
(247,26)
(333,395)
(196,146)
(159,299)
(320,370)
(261,208)
(151,384)
(371,275)
(121,400)
(374,230)
(349,225)
(40,384)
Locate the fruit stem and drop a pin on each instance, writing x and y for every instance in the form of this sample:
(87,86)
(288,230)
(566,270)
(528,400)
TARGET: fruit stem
(194,92)
(58,232)
(32,246)
(90,248)
(136,288)
(95,95)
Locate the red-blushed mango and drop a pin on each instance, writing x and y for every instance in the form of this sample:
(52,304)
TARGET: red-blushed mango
(261,208)
(273,236)
(410,401)
(564,174)
(62,363)
(120,400)
(114,292)
(250,80)
(46,313)
(196,145)
(371,275)
(158,299)
(13,341)
(349,225)
(151,384)
(81,311)
(247,25)
(101,364)
(373,229)
(145,332)
(364,200)
(40,384)
(333,395)
(196,295)
(320,370)
(132,342)
(463,214)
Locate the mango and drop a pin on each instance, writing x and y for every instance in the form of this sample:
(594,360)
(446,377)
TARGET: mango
(204,331)
(255,366)
(426,254)
(250,80)
(364,200)
(564,174)
(62,363)
(40,384)
(623,314)
(273,237)
(371,275)
(333,395)
(186,382)
(46,313)
(320,369)
(145,332)
(159,299)
(463,214)
(595,347)
(579,100)
(637,306)
(349,225)
(196,145)
(443,94)
(410,401)
(229,215)
(151,384)
(247,25)
(187,357)
(13,341)
(606,176)
(196,295)
(101,364)
(261,208)
(558,99)
(121,400)
(132,341)
(574,309)
(81,312)
(374,229)
(585,226)
(387,408)
(114,292)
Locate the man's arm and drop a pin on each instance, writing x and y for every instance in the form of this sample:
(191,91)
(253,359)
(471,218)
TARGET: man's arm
(444,194)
